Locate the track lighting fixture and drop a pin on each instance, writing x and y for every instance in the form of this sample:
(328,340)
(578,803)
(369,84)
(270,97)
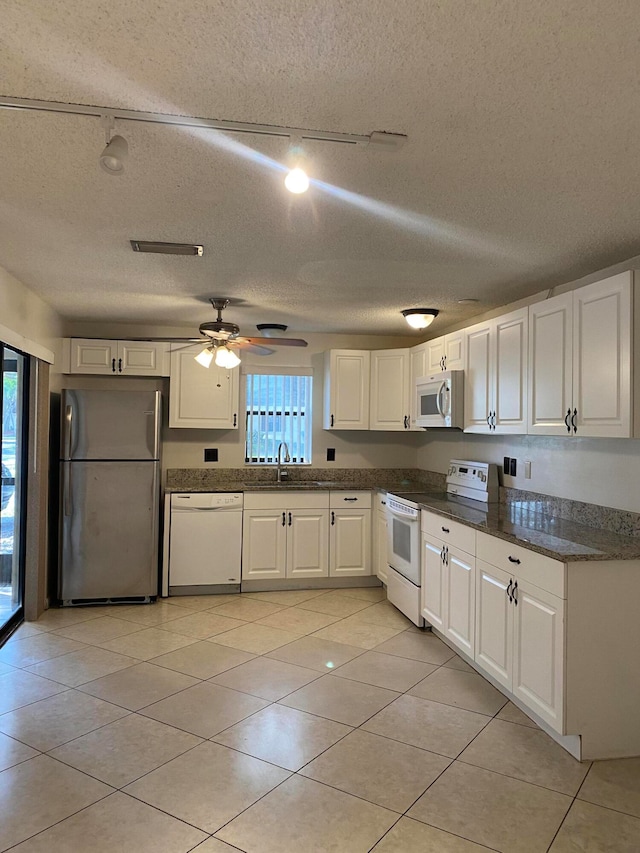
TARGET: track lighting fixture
(419,318)
(297,181)
(115,153)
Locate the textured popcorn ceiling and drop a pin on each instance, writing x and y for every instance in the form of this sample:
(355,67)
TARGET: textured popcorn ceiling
(521,168)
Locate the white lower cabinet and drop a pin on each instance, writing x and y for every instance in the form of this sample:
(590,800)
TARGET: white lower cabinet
(350,534)
(494,623)
(379,557)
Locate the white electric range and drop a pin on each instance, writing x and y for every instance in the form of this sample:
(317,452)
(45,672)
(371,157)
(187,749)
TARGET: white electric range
(472,481)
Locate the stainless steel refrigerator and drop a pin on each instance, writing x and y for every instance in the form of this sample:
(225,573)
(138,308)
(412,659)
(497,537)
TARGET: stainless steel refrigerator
(109,495)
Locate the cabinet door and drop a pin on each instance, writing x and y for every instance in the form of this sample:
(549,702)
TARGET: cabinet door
(200,397)
(98,357)
(264,544)
(435,356)
(346,389)
(494,623)
(350,542)
(390,389)
(550,365)
(142,358)
(433,583)
(538,652)
(510,372)
(478,378)
(380,561)
(602,357)
(418,359)
(454,350)
(460,600)
(307,543)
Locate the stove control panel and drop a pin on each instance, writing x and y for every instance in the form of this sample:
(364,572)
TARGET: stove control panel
(475,480)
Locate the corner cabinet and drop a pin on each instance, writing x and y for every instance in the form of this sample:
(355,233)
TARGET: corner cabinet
(580,351)
(390,372)
(346,389)
(201,397)
(115,358)
(495,393)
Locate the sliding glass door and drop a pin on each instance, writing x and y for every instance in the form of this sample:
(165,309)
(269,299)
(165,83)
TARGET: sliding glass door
(13,432)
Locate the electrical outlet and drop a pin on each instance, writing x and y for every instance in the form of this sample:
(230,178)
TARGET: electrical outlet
(331,454)
(512,468)
(211,454)
(506,464)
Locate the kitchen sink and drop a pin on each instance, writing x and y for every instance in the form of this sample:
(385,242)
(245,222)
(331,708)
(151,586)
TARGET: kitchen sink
(290,484)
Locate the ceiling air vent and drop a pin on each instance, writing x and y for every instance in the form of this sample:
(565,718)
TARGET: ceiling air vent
(166,248)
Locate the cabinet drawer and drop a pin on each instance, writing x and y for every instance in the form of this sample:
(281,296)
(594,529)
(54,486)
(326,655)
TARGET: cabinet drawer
(285,499)
(350,500)
(527,565)
(451,532)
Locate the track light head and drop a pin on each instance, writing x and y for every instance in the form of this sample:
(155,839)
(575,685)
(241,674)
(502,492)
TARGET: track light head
(114,155)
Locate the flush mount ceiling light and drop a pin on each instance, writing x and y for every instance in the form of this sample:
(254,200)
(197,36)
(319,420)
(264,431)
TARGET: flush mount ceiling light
(419,318)
(115,153)
(167,248)
(272,330)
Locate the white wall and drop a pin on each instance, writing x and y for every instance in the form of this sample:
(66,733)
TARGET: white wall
(26,321)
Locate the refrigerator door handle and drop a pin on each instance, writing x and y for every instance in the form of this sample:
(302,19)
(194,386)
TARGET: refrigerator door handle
(69,416)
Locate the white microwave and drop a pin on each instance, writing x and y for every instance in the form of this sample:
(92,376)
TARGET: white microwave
(440,400)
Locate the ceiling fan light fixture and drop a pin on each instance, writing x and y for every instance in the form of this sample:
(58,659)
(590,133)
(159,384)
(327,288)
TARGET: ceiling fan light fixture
(226,358)
(420,318)
(272,330)
(205,357)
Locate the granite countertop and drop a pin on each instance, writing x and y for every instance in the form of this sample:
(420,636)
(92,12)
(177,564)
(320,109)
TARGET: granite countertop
(295,486)
(516,522)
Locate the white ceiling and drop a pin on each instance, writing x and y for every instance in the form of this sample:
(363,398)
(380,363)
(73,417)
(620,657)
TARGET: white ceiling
(521,168)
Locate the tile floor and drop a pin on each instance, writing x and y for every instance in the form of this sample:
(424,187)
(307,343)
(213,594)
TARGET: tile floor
(280,722)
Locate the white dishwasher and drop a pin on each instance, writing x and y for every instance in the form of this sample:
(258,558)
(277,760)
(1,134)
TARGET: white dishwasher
(205,543)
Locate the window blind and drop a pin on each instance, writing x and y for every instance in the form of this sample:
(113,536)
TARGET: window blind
(278,410)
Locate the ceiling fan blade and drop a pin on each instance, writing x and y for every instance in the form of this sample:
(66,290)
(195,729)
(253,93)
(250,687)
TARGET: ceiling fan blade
(253,348)
(170,340)
(276,342)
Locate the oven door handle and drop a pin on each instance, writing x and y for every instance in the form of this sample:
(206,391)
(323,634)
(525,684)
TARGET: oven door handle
(440,399)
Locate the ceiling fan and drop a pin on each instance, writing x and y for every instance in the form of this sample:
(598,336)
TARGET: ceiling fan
(220,338)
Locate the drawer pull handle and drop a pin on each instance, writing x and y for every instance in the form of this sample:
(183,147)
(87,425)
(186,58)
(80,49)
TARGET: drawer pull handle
(515,593)
(514,560)
(384,503)
(509,589)
(349,499)
(446,530)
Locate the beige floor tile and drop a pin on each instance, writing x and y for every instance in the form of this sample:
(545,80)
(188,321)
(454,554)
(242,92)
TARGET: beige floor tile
(614,784)
(461,689)
(97,631)
(383,613)
(526,754)
(149,615)
(59,617)
(204,709)
(266,678)
(513,714)
(286,597)
(203,659)
(27,629)
(303,815)
(339,699)
(13,752)
(247,609)
(213,845)
(4,668)
(594,829)
(361,634)
(335,605)
(365,593)
(117,823)
(58,719)
(202,602)
(428,725)
(148,643)
(423,646)
(85,665)
(37,648)
(503,813)
(456,662)
(322,655)
(138,686)
(257,639)
(40,792)
(298,621)
(379,770)
(201,624)
(208,785)
(18,688)
(388,671)
(411,836)
(122,751)
(283,736)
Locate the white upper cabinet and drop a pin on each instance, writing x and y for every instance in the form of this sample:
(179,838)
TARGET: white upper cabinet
(495,399)
(346,389)
(418,366)
(200,397)
(390,372)
(580,353)
(434,357)
(116,358)
(445,353)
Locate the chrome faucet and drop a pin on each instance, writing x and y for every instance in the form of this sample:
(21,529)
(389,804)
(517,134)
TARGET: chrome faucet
(287,458)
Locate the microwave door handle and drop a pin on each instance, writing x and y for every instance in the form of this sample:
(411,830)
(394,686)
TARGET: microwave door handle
(439,398)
